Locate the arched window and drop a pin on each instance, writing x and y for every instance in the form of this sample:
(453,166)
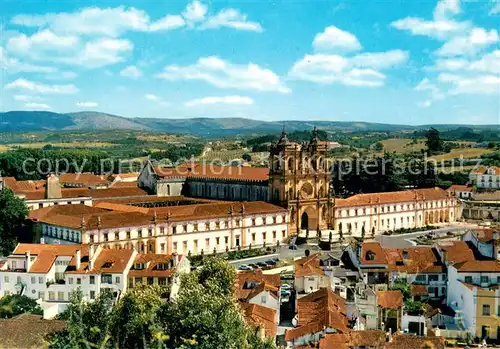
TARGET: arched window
(168,189)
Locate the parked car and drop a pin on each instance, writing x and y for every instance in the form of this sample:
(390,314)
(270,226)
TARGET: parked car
(262,264)
(270,262)
(244,267)
(255,266)
(285,293)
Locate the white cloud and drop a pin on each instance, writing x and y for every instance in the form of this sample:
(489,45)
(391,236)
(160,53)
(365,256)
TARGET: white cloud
(435,93)
(470,44)
(41,88)
(131,72)
(333,38)
(86,104)
(195,12)
(113,22)
(26,98)
(447,8)
(359,70)
(380,60)
(168,22)
(482,84)
(488,63)
(47,46)
(219,100)
(439,29)
(37,106)
(231,18)
(44,40)
(99,53)
(157,99)
(223,74)
(89,21)
(14,65)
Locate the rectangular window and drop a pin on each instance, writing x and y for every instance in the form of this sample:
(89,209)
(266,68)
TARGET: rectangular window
(274,235)
(226,240)
(486,309)
(92,279)
(150,280)
(468,280)
(60,296)
(70,281)
(253,237)
(162,281)
(117,280)
(433,277)
(33,280)
(40,279)
(162,248)
(484,279)
(78,281)
(138,281)
(263,299)
(217,240)
(174,247)
(52,296)
(92,294)
(41,295)
(284,233)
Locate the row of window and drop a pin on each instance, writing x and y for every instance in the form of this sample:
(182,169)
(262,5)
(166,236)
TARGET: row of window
(483,279)
(393,208)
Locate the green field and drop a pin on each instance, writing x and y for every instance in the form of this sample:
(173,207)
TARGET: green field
(466,153)
(402,145)
(62,145)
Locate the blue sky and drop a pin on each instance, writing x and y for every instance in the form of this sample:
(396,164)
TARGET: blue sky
(407,62)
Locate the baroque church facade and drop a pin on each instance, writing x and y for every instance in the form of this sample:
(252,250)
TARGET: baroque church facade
(300,180)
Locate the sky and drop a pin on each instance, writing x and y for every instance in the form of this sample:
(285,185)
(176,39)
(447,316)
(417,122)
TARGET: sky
(403,62)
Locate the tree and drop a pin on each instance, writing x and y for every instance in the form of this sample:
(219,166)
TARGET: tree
(378,147)
(203,317)
(13,212)
(246,157)
(13,305)
(433,142)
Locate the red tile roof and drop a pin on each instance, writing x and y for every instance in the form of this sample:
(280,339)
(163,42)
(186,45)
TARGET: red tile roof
(401,341)
(486,234)
(152,262)
(418,260)
(251,283)
(372,253)
(392,197)
(390,299)
(214,172)
(455,251)
(319,310)
(87,179)
(46,254)
(418,290)
(457,187)
(259,315)
(308,266)
(354,339)
(107,261)
(482,170)
(476,266)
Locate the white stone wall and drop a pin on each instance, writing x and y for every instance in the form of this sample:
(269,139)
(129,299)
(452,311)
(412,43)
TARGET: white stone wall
(37,204)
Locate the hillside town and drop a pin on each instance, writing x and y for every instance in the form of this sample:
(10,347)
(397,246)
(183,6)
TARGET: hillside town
(393,269)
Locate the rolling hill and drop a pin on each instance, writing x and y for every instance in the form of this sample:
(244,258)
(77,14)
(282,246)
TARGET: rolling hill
(15,121)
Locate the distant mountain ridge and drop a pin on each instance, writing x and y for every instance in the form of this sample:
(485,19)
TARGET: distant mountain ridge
(18,121)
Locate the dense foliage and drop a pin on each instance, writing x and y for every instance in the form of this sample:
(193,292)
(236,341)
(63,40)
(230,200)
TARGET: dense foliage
(13,305)
(204,314)
(174,153)
(13,212)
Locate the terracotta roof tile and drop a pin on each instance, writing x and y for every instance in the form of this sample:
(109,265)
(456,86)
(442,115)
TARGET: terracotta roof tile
(482,170)
(418,290)
(401,341)
(27,331)
(307,266)
(455,251)
(83,179)
(318,310)
(392,197)
(476,266)
(261,316)
(458,187)
(251,283)
(354,339)
(107,261)
(214,171)
(390,299)
(418,259)
(45,254)
(372,253)
(152,262)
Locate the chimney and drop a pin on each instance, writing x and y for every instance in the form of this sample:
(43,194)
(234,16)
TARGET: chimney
(28,261)
(175,259)
(53,187)
(78,258)
(405,256)
(445,257)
